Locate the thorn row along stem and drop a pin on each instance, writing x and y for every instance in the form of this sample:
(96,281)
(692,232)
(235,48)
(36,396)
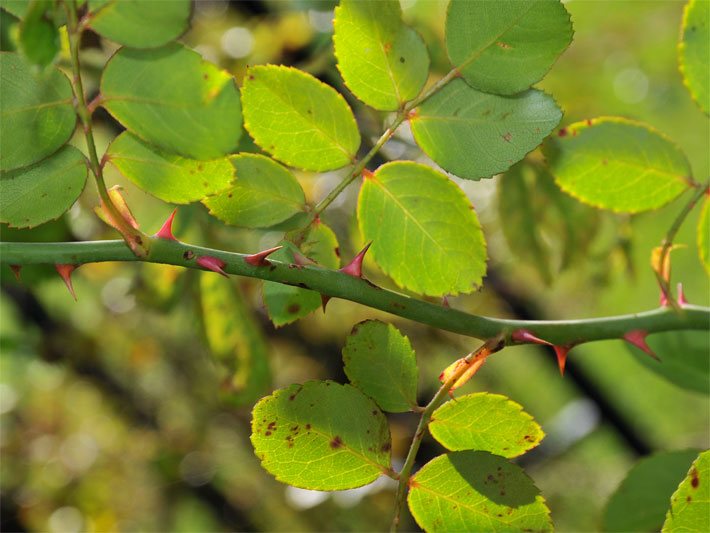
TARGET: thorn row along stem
(336,284)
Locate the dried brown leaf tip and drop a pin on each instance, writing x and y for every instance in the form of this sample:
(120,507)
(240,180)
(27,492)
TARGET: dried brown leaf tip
(259,258)
(212,263)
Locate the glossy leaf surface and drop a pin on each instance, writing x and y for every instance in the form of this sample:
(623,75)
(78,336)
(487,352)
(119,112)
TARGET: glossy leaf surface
(383,62)
(476,491)
(264,194)
(485,422)
(174,99)
(321,435)
(504,47)
(36,112)
(476,135)
(690,509)
(298,119)
(617,164)
(379,361)
(694,51)
(168,176)
(44,191)
(140,23)
(424,232)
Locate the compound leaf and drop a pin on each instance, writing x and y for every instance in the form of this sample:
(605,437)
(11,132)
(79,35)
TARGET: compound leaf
(383,61)
(504,47)
(425,234)
(36,112)
(41,192)
(486,422)
(321,435)
(380,362)
(704,235)
(264,194)
(297,119)
(140,23)
(170,97)
(476,135)
(640,501)
(690,504)
(235,340)
(617,164)
(168,176)
(694,52)
(476,491)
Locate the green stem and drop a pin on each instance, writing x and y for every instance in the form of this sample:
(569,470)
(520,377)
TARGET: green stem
(339,285)
(491,346)
(134,237)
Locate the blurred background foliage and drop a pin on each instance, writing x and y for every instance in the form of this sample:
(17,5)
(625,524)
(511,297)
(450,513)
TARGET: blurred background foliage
(114,411)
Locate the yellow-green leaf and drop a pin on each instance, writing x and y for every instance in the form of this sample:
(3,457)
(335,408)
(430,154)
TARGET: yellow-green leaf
(690,504)
(694,51)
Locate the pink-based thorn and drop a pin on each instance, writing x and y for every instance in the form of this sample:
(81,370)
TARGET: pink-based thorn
(212,263)
(663,299)
(324,300)
(523,335)
(445,302)
(302,260)
(561,352)
(681,295)
(65,272)
(16,270)
(166,232)
(259,258)
(354,267)
(637,337)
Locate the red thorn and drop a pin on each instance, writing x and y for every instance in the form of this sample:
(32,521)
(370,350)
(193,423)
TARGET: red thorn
(302,260)
(445,302)
(213,264)
(367,174)
(681,295)
(259,259)
(166,232)
(561,352)
(637,337)
(65,273)
(324,300)
(16,270)
(354,267)
(523,335)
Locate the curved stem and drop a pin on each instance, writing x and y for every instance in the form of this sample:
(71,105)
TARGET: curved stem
(340,285)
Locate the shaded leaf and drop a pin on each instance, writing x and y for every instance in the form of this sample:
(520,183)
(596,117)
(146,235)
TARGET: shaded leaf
(321,435)
(383,61)
(140,23)
(380,362)
(504,47)
(641,500)
(297,119)
(704,234)
(476,491)
(425,234)
(168,176)
(264,194)
(617,164)
(173,99)
(39,37)
(694,52)
(36,112)
(476,135)
(486,422)
(44,191)
(690,504)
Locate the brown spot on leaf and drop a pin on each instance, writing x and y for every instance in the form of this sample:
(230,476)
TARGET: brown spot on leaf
(507,137)
(689,499)
(694,478)
(308,427)
(267,433)
(562,132)
(386,447)
(504,46)
(293,309)
(336,443)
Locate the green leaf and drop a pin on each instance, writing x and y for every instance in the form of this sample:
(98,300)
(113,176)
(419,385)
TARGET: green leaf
(168,176)
(476,491)
(36,112)
(140,23)
(321,435)
(235,340)
(694,52)
(640,501)
(170,97)
(476,135)
(17,7)
(690,504)
(380,362)
(486,422)
(264,194)
(297,119)
(425,234)
(617,164)
(704,235)
(286,304)
(383,61)
(39,37)
(44,191)
(504,47)
(684,358)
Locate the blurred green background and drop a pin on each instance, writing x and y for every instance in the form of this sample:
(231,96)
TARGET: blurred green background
(112,417)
